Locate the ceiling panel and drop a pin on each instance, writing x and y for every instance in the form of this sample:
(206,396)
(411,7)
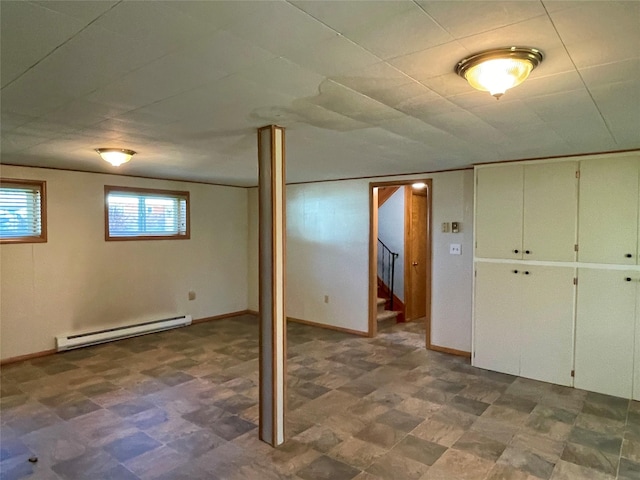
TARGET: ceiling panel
(401,34)
(480,16)
(363,87)
(22,47)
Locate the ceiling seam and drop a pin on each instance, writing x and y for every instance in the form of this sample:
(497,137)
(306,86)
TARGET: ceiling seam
(63,43)
(577,70)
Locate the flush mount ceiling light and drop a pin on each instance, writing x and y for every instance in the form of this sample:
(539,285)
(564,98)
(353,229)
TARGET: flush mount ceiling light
(115,156)
(496,71)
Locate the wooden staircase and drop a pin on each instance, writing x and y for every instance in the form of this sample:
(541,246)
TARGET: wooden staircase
(386,318)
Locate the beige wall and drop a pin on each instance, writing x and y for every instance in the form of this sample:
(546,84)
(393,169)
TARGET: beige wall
(78,282)
(328,254)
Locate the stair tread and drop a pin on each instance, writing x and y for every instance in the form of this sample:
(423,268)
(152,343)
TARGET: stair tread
(381,301)
(386,315)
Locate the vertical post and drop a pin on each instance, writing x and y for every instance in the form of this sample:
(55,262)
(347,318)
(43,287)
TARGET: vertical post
(271,174)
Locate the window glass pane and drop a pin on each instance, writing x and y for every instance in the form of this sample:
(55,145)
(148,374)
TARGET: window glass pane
(141,214)
(20,211)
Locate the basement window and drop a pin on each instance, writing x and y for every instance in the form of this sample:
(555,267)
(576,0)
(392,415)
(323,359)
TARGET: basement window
(23,213)
(145,214)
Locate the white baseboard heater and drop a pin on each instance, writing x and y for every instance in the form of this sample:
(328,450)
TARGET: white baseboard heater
(102,336)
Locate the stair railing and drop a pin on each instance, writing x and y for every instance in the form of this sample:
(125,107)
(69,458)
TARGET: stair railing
(386,268)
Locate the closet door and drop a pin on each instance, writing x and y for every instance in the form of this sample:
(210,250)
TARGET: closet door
(498,317)
(499,212)
(547,324)
(608,212)
(550,210)
(605,331)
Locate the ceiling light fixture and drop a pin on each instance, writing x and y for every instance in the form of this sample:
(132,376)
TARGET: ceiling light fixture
(419,185)
(496,71)
(115,156)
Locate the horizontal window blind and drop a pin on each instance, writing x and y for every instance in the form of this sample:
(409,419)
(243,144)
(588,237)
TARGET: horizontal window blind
(20,210)
(134,214)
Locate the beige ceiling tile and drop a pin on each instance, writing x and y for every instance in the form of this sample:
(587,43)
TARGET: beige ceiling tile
(539,86)
(374,79)
(9,121)
(407,32)
(347,102)
(619,103)
(215,14)
(29,33)
(504,115)
(600,32)
(567,106)
(431,62)
(282,75)
(600,75)
(83,11)
(394,96)
(447,85)
(334,57)
(82,113)
(535,32)
(160,79)
(462,19)
(281,28)
(156,23)
(351,14)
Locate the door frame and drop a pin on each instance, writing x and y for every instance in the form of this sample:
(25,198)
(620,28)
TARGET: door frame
(373,250)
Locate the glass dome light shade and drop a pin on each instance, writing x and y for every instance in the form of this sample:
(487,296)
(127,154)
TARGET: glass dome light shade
(498,75)
(115,156)
(496,71)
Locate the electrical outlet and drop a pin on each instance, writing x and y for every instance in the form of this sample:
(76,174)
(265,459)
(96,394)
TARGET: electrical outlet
(192,295)
(454,249)
(326,299)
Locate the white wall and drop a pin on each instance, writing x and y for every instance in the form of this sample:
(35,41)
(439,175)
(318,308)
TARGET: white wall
(328,254)
(391,232)
(78,282)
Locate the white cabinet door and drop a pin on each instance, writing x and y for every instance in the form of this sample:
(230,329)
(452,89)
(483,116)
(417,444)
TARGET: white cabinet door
(497,317)
(499,212)
(550,210)
(547,324)
(605,331)
(608,211)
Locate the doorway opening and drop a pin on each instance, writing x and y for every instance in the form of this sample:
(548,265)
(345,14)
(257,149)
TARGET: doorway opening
(415,259)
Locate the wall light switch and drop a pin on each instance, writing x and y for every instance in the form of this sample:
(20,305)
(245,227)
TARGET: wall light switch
(445,227)
(454,249)
(455,227)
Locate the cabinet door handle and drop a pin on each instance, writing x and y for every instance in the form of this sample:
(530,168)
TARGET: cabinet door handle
(628,279)
(515,271)
(527,252)
(526,272)
(629,255)
(516,251)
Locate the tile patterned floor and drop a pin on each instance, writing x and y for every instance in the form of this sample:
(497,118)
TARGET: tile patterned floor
(183,405)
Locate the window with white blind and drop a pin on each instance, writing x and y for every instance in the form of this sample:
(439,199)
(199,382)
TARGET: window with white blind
(145,214)
(23,216)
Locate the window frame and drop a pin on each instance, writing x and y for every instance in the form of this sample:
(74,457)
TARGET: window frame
(42,187)
(175,194)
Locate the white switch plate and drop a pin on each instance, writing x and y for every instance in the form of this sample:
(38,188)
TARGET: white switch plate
(454,249)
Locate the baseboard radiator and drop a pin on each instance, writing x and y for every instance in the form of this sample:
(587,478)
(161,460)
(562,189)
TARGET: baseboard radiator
(102,336)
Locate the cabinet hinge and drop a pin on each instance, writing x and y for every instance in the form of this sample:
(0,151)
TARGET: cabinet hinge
(575,280)
(577,173)
(475,273)
(573,373)
(575,247)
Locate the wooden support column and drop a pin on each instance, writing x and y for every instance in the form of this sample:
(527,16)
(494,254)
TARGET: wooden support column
(273,328)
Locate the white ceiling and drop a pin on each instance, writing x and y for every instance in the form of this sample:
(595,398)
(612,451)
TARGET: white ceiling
(363,87)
